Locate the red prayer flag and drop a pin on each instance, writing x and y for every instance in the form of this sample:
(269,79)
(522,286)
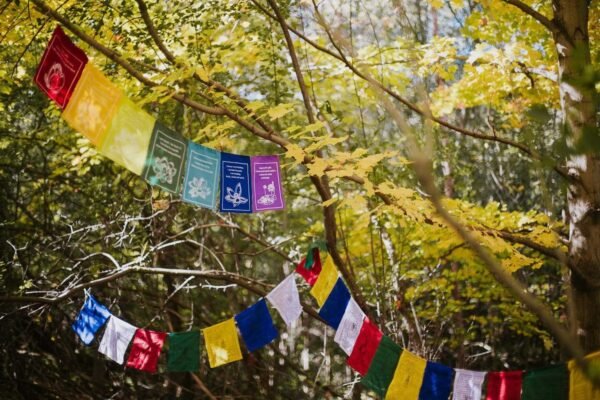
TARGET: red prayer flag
(365,347)
(504,385)
(310,275)
(146,349)
(60,68)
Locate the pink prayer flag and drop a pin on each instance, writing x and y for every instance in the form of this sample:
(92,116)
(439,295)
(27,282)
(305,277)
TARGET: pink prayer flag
(60,68)
(146,349)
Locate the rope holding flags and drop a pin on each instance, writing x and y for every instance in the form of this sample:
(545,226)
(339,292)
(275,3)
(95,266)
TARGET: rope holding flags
(134,139)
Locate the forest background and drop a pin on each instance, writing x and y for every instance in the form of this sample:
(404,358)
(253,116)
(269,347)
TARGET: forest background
(377,108)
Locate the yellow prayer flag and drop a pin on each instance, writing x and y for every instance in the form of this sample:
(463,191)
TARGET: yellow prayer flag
(408,377)
(128,137)
(325,282)
(580,387)
(92,105)
(222,343)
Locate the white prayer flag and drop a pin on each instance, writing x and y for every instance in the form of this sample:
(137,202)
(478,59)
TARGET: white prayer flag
(349,327)
(284,297)
(468,384)
(116,338)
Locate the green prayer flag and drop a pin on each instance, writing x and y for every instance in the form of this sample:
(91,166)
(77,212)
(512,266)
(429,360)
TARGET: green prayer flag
(380,373)
(184,352)
(318,244)
(550,383)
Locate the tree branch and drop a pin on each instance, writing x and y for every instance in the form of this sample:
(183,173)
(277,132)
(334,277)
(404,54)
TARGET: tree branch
(548,24)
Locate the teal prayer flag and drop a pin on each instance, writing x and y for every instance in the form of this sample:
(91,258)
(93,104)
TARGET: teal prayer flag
(184,352)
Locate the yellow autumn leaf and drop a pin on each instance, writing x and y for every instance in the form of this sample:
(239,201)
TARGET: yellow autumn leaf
(327,141)
(317,167)
(280,110)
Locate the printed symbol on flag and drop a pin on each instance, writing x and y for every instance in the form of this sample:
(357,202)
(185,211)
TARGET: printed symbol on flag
(199,188)
(235,197)
(164,169)
(221,353)
(269,197)
(54,79)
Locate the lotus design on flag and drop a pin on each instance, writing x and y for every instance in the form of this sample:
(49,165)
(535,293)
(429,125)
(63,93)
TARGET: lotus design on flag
(235,196)
(199,188)
(54,78)
(269,198)
(164,169)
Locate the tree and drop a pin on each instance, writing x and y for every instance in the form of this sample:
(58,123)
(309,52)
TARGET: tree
(375,111)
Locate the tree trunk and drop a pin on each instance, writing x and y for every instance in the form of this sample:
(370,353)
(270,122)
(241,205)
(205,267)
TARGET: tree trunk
(572,44)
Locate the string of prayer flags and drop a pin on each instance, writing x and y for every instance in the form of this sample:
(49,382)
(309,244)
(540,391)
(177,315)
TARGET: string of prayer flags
(311,274)
(146,349)
(335,305)
(90,319)
(365,347)
(467,384)
(325,282)
(349,328)
(550,383)
(256,326)
(128,137)
(116,339)
(408,377)
(437,382)
(222,344)
(93,104)
(380,373)
(580,386)
(200,185)
(505,385)
(165,159)
(313,252)
(286,300)
(60,68)
(236,191)
(184,351)
(267,192)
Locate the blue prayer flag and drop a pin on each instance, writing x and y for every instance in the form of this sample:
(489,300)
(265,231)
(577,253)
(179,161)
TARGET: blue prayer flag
(256,326)
(437,382)
(90,319)
(201,177)
(335,305)
(236,192)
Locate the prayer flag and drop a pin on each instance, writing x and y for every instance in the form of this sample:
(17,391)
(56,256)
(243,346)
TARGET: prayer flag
(146,349)
(580,386)
(128,137)
(382,367)
(93,105)
(60,68)
(284,297)
(505,385)
(408,377)
(365,347)
(165,159)
(467,384)
(184,352)
(222,345)
(311,274)
(325,282)
(236,193)
(550,383)
(313,250)
(437,382)
(267,193)
(90,319)
(335,305)
(201,184)
(117,336)
(349,328)
(256,326)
